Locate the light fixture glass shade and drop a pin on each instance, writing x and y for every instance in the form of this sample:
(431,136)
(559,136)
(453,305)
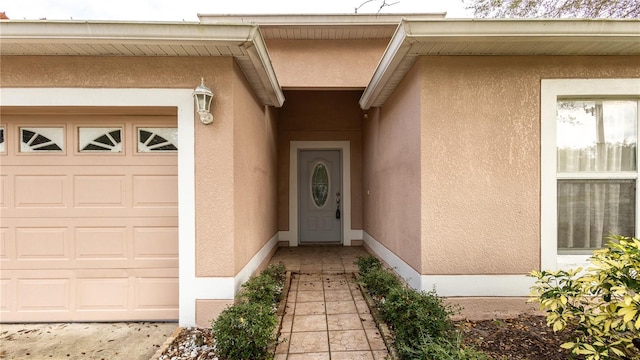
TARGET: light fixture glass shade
(203,96)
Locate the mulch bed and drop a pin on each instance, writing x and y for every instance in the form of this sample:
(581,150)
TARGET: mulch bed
(526,337)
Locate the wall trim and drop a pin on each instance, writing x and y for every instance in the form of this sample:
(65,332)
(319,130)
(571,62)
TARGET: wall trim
(189,285)
(255,263)
(294,147)
(409,274)
(452,285)
(550,90)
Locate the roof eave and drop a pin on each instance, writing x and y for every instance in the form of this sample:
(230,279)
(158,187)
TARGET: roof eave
(245,37)
(405,48)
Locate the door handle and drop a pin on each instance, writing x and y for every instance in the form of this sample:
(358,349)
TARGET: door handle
(338,205)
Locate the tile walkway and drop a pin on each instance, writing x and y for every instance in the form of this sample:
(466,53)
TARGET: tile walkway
(326,317)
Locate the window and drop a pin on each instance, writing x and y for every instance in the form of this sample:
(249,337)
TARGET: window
(41,139)
(320,184)
(3,147)
(100,139)
(157,139)
(596,170)
(589,166)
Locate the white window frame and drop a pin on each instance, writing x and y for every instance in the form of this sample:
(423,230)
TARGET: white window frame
(551,90)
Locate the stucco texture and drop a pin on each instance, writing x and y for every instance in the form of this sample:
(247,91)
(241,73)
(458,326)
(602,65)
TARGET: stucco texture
(320,116)
(255,172)
(480,157)
(329,64)
(392,172)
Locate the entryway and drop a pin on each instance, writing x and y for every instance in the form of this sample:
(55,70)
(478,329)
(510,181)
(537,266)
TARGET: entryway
(320,197)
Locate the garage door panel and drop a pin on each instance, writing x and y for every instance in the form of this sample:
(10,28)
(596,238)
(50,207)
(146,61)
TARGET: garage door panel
(100,191)
(88,235)
(155,242)
(101,243)
(7,303)
(44,294)
(5,244)
(3,191)
(103,294)
(155,191)
(42,243)
(156,293)
(40,191)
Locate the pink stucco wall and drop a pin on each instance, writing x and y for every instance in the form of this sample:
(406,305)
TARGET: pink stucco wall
(464,132)
(480,154)
(255,172)
(320,116)
(391,181)
(325,63)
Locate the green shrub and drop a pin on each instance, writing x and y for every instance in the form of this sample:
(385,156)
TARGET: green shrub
(379,282)
(420,321)
(245,331)
(417,315)
(602,304)
(440,349)
(368,263)
(263,289)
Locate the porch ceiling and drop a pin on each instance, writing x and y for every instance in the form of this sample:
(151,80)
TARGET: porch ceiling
(496,38)
(84,38)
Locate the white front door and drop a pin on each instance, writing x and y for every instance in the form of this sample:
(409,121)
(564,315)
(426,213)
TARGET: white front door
(320,198)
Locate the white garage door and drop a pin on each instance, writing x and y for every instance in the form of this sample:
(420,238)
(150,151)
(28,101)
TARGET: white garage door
(89,208)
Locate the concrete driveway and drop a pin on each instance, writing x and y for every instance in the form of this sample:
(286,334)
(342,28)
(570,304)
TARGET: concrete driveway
(130,340)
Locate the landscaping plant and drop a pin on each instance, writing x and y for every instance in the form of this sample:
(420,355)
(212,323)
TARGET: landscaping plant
(602,303)
(420,321)
(247,330)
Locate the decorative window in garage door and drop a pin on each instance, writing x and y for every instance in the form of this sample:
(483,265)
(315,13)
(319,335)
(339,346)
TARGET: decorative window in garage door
(41,139)
(157,139)
(100,139)
(3,147)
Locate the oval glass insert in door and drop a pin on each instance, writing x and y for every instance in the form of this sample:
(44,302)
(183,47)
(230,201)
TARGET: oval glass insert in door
(320,184)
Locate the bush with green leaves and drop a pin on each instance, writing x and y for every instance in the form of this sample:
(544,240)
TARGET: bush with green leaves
(601,303)
(420,321)
(247,330)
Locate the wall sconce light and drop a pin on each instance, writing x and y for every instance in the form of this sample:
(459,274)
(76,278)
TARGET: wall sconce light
(203,96)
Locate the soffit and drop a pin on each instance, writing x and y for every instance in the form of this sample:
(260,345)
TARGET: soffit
(496,38)
(322,26)
(81,38)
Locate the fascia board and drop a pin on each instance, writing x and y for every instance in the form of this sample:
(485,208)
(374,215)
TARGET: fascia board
(257,52)
(411,32)
(246,37)
(398,48)
(531,28)
(122,32)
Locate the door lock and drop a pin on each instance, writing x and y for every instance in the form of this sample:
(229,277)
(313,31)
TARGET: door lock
(338,205)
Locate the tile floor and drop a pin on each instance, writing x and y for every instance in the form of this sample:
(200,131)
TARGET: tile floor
(326,316)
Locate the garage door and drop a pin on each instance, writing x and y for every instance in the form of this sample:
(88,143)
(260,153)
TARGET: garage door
(89,208)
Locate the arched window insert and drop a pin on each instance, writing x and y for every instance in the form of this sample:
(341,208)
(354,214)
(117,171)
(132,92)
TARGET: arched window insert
(157,139)
(41,139)
(320,184)
(100,139)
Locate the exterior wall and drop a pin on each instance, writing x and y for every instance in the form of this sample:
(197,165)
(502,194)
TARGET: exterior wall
(480,157)
(325,63)
(392,172)
(320,116)
(255,172)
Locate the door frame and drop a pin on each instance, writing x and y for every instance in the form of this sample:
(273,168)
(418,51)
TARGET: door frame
(344,147)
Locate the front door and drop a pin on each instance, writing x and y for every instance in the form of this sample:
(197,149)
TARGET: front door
(320,217)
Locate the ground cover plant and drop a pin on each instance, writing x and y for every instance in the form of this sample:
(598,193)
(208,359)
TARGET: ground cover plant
(420,321)
(247,329)
(600,305)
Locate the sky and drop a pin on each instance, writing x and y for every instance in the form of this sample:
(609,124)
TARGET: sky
(187,10)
